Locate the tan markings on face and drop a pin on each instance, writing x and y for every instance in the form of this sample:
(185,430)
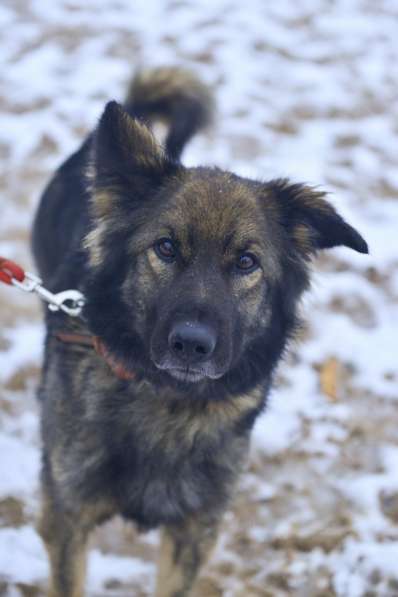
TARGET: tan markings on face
(104,207)
(149,273)
(156,270)
(158,266)
(93,243)
(150,270)
(249,290)
(249,287)
(244,282)
(104,202)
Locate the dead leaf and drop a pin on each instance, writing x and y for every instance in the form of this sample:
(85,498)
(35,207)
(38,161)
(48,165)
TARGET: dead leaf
(329,377)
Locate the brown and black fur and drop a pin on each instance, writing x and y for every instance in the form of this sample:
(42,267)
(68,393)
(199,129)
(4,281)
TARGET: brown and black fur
(166,448)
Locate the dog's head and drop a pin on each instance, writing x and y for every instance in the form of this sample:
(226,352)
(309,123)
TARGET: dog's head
(195,273)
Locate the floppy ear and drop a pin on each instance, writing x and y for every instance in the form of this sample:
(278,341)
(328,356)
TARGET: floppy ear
(127,163)
(311,221)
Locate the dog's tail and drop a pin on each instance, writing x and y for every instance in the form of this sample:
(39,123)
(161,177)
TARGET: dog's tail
(173,95)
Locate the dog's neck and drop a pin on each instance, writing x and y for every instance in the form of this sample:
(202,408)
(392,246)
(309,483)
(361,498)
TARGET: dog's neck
(97,344)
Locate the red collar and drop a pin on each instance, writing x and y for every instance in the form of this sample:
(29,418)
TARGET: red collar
(95,342)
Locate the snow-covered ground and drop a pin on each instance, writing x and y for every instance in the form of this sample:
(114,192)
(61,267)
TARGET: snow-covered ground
(307,89)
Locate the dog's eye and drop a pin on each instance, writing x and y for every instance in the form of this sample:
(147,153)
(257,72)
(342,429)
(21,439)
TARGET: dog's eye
(247,263)
(165,250)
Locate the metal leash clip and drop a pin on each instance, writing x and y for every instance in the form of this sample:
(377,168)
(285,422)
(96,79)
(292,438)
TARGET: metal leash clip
(70,302)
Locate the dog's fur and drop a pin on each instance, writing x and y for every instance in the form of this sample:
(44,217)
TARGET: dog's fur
(167,447)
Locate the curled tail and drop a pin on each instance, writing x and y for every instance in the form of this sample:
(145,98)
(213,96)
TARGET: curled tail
(173,95)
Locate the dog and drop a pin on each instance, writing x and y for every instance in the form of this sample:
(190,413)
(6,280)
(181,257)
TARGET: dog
(192,279)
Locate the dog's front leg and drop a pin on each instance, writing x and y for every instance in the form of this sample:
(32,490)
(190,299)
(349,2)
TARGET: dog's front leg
(66,540)
(184,549)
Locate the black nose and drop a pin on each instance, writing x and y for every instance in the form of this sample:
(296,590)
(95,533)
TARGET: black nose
(192,342)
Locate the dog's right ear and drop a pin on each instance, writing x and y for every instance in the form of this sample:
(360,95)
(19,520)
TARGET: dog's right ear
(127,163)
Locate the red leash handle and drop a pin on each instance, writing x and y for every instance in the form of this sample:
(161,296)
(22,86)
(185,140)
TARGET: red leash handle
(10,271)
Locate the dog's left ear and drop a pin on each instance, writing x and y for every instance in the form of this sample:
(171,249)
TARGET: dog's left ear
(311,221)
(126,163)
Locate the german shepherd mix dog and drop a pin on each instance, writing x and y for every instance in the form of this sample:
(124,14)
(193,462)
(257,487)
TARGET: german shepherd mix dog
(192,278)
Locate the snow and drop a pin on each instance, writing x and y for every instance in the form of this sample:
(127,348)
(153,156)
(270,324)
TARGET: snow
(305,89)
(22,555)
(102,567)
(26,346)
(19,466)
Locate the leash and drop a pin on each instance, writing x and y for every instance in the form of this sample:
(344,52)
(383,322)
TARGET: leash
(70,302)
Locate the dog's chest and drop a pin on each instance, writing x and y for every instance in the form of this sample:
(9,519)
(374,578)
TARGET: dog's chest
(168,465)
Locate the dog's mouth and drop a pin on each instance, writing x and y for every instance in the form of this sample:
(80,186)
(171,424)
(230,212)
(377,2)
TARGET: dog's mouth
(188,374)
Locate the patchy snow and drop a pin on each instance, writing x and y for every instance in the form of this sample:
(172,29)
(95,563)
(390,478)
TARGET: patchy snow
(102,569)
(26,344)
(22,555)
(304,89)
